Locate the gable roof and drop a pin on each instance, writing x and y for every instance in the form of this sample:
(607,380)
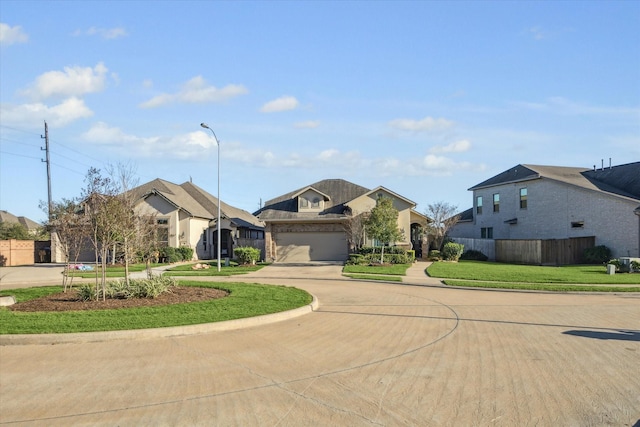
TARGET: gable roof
(622,180)
(338,191)
(195,202)
(10,218)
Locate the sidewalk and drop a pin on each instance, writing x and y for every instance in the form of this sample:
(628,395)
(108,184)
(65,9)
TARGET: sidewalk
(416,275)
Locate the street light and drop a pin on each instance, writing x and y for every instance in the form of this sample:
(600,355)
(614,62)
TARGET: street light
(218,225)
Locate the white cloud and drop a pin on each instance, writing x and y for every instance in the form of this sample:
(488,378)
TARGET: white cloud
(284,103)
(196,91)
(310,124)
(59,115)
(11,35)
(193,145)
(538,33)
(428,124)
(73,81)
(105,33)
(455,147)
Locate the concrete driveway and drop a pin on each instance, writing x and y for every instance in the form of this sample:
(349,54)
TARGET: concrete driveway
(372,354)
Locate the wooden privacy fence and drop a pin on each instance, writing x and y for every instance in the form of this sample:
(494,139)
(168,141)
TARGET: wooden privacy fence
(544,252)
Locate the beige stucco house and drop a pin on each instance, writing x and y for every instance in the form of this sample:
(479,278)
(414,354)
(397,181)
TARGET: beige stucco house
(310,224)
(186,216)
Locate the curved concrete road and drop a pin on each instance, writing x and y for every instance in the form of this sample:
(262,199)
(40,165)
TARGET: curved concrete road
(372,354)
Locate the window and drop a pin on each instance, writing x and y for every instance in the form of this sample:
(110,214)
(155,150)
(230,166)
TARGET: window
(204,239)
(316,202)
(486,233)
(523,198)
(304,203)
(496,202)
(162,232)
(577,224)
(479,205)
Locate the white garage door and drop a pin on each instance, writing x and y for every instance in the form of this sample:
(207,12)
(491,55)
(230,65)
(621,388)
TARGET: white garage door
(312,246)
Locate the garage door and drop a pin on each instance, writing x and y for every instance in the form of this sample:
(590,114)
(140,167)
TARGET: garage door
(312,246)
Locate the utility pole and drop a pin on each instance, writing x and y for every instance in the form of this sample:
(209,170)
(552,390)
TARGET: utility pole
(48,161)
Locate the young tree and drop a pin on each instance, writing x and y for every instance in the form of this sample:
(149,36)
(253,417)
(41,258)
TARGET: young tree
(71,228)
(355,228)
(443,216)
(382,223)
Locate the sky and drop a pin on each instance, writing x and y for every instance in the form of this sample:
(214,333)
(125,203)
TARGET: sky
(425,98)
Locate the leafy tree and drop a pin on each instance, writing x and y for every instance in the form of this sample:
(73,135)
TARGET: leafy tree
(15,231)
(382,223)
(443,219)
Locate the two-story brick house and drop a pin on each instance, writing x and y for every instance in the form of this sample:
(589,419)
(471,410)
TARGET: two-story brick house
(553,202)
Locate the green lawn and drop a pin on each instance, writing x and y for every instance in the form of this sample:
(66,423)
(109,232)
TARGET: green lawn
(390,270)
(511,273)
(374,277)
(551,287)
(186,270)
(245,300)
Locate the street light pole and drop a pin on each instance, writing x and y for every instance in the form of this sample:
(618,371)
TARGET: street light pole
(218,225)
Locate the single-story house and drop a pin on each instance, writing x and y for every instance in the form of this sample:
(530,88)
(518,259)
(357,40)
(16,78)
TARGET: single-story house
(312,223)
(556,202)
(187,216)
(9,218)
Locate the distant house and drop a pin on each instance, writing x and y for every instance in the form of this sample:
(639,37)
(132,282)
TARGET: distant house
(553,202)
(9,218)
(186,215)
(310,223)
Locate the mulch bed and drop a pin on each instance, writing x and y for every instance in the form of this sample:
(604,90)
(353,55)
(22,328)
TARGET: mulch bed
(69,301)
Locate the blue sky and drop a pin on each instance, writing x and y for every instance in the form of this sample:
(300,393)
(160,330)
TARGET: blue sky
(424,98)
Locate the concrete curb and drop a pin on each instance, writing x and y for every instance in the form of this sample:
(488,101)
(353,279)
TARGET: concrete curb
(174,331)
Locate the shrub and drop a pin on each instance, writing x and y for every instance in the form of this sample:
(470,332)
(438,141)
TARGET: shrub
(452,251)
(597,255)
(185,253)
(356,259)
(635,266)
(138,288)
(615,262)
(434,255)
(247,254)
(412,255)
(473,255)
(171,255)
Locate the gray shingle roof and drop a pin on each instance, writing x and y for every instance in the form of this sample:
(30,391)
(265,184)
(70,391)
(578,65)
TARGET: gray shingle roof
(285,207)
(196,201)
(622,180)
(10,218)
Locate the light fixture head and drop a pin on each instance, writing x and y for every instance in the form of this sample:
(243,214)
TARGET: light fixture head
(204,125)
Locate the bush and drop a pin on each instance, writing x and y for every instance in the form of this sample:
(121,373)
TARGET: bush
(412,255)
(473,255)
(247,254)
(434,255)
(356,259)
(615,262)
(597,255)
(170,255)
(139,288)
(635,266)
(185,253)
(452,251)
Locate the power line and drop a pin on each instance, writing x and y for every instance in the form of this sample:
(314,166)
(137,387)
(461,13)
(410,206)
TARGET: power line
(19,155)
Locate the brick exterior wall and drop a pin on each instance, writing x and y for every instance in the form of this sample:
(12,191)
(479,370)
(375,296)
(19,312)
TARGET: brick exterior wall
(551,209)
(16,252)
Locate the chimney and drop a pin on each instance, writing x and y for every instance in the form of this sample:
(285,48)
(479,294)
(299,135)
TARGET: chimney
(609,162)
(601,164)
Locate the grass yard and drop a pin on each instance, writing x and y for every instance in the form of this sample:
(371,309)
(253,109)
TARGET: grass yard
(186,270)
(511,273)
(388,273)
(551,287)
(389,270)
(245,300)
